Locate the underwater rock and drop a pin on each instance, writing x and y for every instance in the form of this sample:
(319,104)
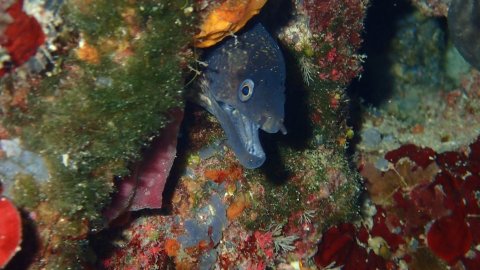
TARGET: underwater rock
(243,86)
(432,97)
(371,137)
(464,29)
(432,7)
(91,119)
(18,161)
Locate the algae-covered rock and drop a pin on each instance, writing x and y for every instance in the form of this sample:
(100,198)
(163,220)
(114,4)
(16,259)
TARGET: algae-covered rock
(417,148)
(272,216)
(118,72)
(431,91)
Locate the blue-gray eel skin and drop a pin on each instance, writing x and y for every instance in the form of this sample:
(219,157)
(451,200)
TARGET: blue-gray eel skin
(243,85)
(464,26)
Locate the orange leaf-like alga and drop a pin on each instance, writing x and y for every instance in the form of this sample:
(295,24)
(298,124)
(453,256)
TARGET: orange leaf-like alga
(226,19)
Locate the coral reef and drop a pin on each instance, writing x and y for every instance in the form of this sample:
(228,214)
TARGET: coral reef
(115,72)
(223,216)
(92,101)
(420,167)
(433,93)
(327,35)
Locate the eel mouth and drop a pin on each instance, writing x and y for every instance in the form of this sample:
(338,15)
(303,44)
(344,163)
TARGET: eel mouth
(242,135)
(241,132)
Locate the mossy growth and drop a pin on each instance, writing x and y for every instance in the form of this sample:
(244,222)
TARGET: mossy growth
(25,191)
(72,251)
(319,168)
(92,119)
(275,207)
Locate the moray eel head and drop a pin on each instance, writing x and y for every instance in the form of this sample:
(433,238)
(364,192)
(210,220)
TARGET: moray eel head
(243,86)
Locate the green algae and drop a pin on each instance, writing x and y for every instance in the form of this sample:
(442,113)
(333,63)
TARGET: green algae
(277,205)
(102,115)
(96,18)
(89,121)
(75,255)
(321,162)
(26,191)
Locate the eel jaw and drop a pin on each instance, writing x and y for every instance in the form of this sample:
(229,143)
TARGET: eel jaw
(241,132)
(242,135)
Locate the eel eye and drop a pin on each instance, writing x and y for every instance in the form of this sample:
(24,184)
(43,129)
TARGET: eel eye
(245,91)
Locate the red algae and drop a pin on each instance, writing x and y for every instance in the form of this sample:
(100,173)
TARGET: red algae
(439,213)
(449,238)
(219,176)
(421,156)
(10,231)
(22,36)
(335,242)
(383,228)
(144,188)
(338,37)
(340,247)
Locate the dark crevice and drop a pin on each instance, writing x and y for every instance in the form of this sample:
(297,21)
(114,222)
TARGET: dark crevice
(375,84)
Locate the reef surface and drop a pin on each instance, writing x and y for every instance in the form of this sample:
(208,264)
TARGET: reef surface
(108,162)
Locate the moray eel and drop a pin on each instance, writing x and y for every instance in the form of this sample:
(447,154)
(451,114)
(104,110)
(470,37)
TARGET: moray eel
(464,25)
(243,85)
